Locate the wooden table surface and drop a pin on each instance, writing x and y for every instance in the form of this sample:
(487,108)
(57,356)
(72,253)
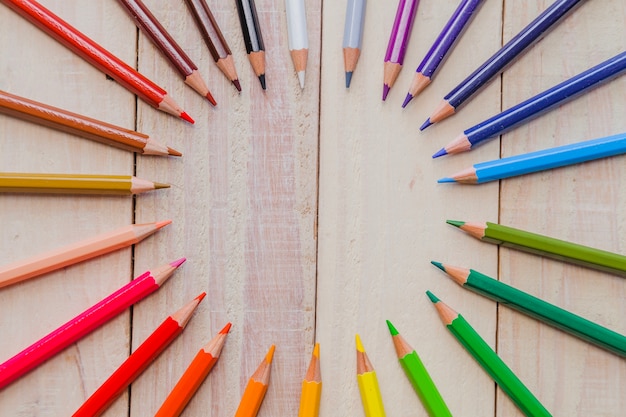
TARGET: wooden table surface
(313,215)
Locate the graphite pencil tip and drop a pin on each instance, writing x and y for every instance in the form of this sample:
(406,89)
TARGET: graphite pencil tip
(262,80)
(386,89)
(237,85)
(392,329)
(159,185)
(178,262)
(348,78)
(209,97)
(226,328)
(440,152)
(186,117)
(445,179)
(432,297)
(438,265)
(407,99)
(173,152)
(456,223)
(162,224)
(426,124)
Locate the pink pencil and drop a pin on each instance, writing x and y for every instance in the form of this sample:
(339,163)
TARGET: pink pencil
(85,323)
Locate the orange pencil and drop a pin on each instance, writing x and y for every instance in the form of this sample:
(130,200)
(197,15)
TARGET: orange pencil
(193,377)
(138,361)
(256,388)
(312,387)
(77,252)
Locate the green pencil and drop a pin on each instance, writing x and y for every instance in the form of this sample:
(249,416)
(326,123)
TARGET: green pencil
(489,360)
(418,376)
(543,245)
(536,308)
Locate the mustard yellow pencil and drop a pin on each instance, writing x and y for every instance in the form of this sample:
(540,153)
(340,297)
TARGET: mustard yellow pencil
(368,383)
(312,387)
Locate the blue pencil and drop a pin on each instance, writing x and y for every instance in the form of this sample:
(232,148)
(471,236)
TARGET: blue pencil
(536,105)
(528,163)
(440,48)
(496,64)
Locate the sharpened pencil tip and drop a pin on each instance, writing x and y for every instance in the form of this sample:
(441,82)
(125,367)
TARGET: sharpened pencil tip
(201,297)
(438,265)
(178,262)
(445,180)
(301,75)
(159,185)
(237,85)
(359,345)
(173,152)
(426,124)
(270,354)
(440,152)
(186,117)
(262,80)
(392,329)
(211,99)
(348,78)
(407,99)
(432,297)
(386,89)
(162,224)
(456,223)
(316,350)
(226,328)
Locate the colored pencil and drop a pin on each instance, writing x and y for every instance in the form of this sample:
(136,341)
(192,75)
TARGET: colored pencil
(192,378)
(353,36)
(138,361)
(528,163)
(83,126)
(312,387)
(97,56)
(18,182)
(153,29)
(214,39)
(489,360)
(252,37)
(84,323)
(536,105)
(77,252)
(398,42)
(501,59)
(536,308)
(443,44)
(418,376)
(368,383)
(254,393)
(545,246)
(298,37)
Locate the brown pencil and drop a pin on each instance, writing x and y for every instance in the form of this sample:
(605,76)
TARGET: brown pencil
(153,29)
(214,39)
(79,125)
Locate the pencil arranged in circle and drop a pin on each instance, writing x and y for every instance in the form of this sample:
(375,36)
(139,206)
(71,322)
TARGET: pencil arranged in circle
(418,376)
(444,43)
(536,308)
(77,252)
(252,37)
(368,383)
(138,361)
(528,163)
(84,323)
(545,246)
(312,387)
(297,36)
(536,105)
(194,375)
(83,126)
(489,360)
(214,39)
(22,182)
(154,30)
(503,57)
(353,36)
(97,56)
(398,42)
(256,388)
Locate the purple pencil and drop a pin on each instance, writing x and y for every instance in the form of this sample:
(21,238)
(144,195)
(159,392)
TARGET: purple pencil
(398,41)
(444,43)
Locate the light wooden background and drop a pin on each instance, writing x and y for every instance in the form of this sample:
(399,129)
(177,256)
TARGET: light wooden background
(312,215)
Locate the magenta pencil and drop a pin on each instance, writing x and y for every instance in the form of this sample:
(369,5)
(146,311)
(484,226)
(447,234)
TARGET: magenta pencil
(398,41)
(85,323)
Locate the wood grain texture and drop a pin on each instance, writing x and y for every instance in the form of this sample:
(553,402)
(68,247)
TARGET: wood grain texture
(311,215)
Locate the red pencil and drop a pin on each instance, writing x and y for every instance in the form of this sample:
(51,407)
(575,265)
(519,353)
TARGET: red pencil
(138,361)
(96,55)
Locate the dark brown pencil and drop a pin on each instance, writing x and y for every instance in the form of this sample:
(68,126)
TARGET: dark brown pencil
(153,29)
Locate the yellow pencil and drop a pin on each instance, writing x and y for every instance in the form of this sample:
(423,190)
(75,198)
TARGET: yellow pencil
(312,387)
(14,182)
(368,383)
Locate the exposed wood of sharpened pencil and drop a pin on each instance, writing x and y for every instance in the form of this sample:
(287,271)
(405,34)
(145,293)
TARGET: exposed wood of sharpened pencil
(138,361)
(97,56)
(154,30)
(214,39)
(83,126)
(256,388)
(312,387)
(253,39)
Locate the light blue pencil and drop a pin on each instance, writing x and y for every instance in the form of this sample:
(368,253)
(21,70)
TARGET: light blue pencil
(352,36)
(541,160)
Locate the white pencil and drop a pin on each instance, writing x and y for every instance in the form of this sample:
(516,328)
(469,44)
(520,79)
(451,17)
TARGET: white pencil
(298,38)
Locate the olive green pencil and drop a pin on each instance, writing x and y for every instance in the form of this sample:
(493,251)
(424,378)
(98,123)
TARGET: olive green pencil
(418,376)
(545,246)
(489,360)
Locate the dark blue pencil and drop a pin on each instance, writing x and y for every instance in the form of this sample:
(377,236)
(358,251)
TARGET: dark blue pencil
(442,45)
(496,64)
(536,105)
